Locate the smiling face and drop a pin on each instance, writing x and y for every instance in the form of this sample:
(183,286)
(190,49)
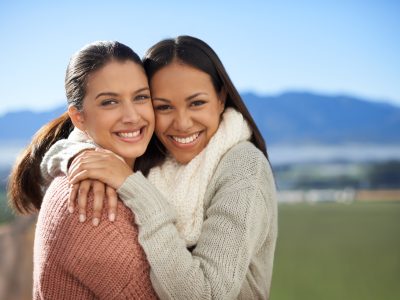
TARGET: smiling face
(187,109)
(117,110)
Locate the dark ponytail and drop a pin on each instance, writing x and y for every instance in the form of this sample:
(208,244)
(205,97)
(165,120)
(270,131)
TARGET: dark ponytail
(25,183)
(25,191)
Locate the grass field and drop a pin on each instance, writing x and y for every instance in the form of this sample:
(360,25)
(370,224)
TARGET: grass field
(5,212)
(338,251)
(332,251)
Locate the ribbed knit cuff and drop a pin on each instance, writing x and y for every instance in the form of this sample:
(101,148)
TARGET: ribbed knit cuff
(55,161)
(145,200)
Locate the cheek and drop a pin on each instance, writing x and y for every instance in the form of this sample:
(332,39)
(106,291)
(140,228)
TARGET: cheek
(98,127)
(147,114)
(99,123)
(212,119)
(161,123)
(214,126)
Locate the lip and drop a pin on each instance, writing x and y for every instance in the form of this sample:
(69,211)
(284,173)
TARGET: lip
(187,145)
(132,139)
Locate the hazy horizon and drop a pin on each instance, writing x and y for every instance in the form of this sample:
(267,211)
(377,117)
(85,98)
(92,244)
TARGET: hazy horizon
(279,154)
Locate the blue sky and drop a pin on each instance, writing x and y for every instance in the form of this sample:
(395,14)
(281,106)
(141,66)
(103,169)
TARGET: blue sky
(330,47)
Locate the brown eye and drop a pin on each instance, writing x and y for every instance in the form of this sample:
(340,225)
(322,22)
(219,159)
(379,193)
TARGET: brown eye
(108,102)
(142,97)
(163,107)
(197,103)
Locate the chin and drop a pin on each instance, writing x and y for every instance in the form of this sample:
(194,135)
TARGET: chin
(132,155)
(184,159)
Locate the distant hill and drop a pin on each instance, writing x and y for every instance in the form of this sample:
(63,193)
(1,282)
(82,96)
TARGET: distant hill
(289,118)
(305,118)
(20,126)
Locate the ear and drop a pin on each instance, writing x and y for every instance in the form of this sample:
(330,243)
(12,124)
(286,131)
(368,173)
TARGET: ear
(222,98)
(77,117)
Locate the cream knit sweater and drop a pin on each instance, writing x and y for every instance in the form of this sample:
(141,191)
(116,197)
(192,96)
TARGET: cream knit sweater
(233,258)
(184,185)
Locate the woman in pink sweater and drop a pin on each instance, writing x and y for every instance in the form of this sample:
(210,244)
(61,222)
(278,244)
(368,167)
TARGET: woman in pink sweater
(109,100)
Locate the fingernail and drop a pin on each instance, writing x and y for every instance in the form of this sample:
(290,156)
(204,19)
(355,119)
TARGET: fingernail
(111,217)
(95,221)
(82,218)
(70,209)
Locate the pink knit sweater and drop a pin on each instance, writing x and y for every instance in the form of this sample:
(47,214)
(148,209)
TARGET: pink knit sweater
(80,261)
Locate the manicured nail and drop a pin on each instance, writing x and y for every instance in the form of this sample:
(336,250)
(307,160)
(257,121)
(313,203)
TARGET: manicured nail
(95,221)
(82,218)
(111,217)
(70,209)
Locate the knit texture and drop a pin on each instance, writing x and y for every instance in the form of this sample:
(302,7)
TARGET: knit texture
(80,261)
(233,258)
(56,159)
(184,186)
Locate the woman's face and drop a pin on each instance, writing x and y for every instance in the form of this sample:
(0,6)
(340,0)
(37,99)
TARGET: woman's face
(117,110)
(187,109)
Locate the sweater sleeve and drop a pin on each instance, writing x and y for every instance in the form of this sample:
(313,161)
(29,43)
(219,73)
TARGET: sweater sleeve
(235,225)
(55,161)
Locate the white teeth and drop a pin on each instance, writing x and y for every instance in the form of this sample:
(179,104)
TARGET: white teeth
(129,134)
(188,139)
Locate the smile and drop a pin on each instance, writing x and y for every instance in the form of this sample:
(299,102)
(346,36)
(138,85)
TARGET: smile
(186,140)
(129,134)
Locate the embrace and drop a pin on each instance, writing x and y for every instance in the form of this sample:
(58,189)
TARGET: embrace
(155,184)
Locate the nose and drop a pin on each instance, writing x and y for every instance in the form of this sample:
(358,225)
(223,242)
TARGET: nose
(129,113)
(183,121)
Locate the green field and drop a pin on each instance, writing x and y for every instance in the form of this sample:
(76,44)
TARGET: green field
(5,212)
(332,251)
(338,251)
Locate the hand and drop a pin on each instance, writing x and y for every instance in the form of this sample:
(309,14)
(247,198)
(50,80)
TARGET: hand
(81,190)
(101,165)
(97,162)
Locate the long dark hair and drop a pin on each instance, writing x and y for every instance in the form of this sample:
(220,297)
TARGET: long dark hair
(196,53)
(25,183)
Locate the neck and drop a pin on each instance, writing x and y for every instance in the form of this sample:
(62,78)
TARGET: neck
(130,162)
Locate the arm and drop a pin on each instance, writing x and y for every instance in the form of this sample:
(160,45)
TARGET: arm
(237,222)
(55,161)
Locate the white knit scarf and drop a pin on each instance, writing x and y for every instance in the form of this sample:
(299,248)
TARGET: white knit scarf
(184,186)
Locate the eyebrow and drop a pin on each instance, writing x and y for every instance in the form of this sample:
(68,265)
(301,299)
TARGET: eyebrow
(187,99)
(195,95)
(112,94)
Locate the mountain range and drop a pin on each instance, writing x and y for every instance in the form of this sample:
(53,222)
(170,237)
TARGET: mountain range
(289,118)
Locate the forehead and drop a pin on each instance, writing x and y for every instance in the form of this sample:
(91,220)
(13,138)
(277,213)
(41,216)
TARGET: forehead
(180,77)
(117,75)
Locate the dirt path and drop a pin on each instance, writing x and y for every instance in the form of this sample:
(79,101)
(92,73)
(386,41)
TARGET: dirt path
(16,267)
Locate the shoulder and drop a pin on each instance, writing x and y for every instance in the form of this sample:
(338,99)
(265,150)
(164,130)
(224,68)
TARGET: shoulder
(54,208)
(81,249)
(242,154)
(244,161)
(55,198)
(243,186)
(244,176)
(244,170)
